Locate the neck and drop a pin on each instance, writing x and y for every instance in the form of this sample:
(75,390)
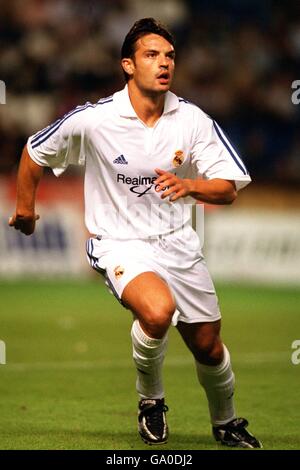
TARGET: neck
(148,106)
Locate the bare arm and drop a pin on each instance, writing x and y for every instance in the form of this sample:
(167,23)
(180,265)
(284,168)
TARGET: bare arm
(29,176)
(214,191)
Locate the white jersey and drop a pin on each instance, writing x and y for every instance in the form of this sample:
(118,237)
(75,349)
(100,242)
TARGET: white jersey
(120,154)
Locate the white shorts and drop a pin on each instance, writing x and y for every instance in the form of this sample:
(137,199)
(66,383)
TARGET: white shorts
(177,260)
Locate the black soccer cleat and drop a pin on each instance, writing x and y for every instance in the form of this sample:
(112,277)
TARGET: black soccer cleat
(234,434)
(152,423)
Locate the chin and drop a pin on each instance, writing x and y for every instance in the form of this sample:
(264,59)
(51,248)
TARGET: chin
(157,89)
(162,88)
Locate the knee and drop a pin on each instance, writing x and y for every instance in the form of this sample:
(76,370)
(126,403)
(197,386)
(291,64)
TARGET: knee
(209,351)
(156,319)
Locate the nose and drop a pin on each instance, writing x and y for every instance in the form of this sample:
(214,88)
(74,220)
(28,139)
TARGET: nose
(164,62)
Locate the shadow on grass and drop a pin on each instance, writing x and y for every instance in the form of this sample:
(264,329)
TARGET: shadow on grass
(101,440)
(282,442)
(80,438)
(131,440)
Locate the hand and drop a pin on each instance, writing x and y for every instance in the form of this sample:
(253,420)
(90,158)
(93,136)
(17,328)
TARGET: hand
(179,187)
(26,224)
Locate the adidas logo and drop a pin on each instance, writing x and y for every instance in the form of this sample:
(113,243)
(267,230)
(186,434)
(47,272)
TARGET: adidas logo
(121,160)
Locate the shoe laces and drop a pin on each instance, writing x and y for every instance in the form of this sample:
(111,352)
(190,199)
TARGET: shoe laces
(154,415)
(239,423)
(238,426)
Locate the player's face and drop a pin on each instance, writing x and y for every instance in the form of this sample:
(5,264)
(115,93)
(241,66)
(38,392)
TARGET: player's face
(152,67)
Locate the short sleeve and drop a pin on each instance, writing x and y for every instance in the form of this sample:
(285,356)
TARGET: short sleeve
(213,155)
(63,142)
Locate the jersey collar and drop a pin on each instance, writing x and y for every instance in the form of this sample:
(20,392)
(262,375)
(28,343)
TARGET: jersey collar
(125,108)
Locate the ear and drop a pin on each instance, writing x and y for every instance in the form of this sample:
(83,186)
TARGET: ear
(128,66)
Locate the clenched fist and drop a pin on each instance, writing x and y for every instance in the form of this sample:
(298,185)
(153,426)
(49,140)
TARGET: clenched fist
(24,223)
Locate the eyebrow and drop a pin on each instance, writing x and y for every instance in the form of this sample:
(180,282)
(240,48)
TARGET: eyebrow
(171,52)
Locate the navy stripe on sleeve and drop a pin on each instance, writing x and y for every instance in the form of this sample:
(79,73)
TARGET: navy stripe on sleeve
(230,150)
(50,130)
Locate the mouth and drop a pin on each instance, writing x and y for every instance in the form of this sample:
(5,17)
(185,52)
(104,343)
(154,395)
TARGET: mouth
(163,77)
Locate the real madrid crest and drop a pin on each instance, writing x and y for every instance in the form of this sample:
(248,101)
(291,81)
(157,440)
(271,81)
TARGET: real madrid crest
(119,271)
(178,159)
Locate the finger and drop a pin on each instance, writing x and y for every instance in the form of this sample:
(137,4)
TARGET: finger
(159,171)
(37,217)
(28,231)
(163,178)
(176,196)
(14,223)
(173,189)
(11,221)
(165,184)
(167,179)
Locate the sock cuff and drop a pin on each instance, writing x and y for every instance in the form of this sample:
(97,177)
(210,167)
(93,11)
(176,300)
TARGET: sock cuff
(216,370)
(140,335)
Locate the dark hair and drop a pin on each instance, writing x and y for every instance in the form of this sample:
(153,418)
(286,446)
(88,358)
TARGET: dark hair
(140,29)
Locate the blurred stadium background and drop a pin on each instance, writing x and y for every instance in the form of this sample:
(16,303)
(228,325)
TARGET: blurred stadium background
(237,60)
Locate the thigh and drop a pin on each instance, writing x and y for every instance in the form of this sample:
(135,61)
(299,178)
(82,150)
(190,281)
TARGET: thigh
(189,279)
(119,261)
(148,292)
(195,294)
(132,273)
(150,299)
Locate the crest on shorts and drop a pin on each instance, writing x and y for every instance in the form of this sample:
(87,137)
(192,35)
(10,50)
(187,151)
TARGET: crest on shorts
(119,271)
(178,159)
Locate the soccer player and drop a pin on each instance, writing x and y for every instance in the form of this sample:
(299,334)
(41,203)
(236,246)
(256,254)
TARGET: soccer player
(147,152)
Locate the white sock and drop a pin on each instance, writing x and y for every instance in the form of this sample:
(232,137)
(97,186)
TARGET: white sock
(148,355)
(218,383)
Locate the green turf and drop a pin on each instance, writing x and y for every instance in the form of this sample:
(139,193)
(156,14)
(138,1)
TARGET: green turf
(69,380)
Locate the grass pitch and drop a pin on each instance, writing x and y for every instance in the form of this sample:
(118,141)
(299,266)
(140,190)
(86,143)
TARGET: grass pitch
(69,381)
